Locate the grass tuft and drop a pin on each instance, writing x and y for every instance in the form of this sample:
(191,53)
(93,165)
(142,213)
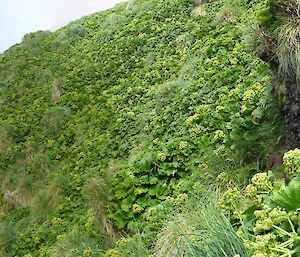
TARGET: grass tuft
(75,245)
(288,47)
(201,231)
(96,192)
(45,201)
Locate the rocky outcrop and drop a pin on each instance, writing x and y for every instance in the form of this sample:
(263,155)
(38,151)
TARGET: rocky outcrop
(291,112)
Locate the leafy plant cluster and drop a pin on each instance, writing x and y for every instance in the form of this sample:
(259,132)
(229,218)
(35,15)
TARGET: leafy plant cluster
(267,218)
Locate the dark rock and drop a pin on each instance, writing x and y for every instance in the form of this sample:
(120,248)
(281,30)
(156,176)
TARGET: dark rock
(291,112)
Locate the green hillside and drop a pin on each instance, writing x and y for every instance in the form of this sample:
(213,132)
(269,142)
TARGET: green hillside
(150,129)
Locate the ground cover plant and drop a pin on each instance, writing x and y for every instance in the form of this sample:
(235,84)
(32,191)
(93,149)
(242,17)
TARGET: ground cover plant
(149,129)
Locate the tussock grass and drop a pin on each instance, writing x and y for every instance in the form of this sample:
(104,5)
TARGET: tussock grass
(55,119)
(96,192)
(18,190)
(199,10)
(287,13)
(288,50)
(130,247)
(74,244)
(286,6)
(56,90)
(7,239)
(229,12)
(45,201)
(200,231)
(24,179)
(6,137)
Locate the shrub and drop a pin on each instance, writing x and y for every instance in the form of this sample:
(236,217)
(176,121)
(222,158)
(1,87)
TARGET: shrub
(76,31)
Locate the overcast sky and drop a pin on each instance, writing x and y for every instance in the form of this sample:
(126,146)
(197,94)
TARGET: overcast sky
(18,17)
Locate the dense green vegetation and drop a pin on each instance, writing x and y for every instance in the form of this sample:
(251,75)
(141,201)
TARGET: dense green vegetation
(146,130)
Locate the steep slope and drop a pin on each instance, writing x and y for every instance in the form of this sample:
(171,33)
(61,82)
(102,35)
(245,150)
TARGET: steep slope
(102,119)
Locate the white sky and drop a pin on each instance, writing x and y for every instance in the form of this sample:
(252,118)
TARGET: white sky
(18,17)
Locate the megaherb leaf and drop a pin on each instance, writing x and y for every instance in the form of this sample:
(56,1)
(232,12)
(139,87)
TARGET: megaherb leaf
(288,197)
(258,112)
